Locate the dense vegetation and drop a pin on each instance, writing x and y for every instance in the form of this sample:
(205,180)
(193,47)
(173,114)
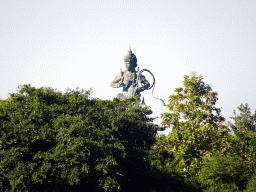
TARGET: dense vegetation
(53,141)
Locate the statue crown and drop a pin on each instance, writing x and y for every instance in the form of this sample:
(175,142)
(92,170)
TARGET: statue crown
(130,56)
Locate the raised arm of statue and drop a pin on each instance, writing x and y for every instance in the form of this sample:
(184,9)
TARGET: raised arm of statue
(117,82)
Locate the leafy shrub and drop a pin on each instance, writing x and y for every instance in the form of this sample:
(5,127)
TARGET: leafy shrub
(166,177)
(222,173)
(222,187)
(251,184)
(244,145)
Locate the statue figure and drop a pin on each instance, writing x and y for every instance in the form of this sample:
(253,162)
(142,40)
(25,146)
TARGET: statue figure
(130,79)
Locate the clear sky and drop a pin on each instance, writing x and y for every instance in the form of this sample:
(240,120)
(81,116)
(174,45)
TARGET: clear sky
(82,43)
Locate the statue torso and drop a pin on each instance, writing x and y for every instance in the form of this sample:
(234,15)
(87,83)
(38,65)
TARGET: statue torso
(130,79)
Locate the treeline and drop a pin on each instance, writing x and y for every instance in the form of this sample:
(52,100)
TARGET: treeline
(53,141)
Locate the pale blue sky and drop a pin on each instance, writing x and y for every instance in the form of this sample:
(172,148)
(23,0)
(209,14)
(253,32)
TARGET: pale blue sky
(71,43)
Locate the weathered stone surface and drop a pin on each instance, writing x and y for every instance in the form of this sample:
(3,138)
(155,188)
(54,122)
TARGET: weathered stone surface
(129,79)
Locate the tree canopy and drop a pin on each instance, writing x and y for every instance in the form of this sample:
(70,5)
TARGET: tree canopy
(198,128)
(244,140)
(244,122)
(54,141)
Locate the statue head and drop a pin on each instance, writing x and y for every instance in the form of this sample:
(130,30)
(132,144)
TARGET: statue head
(130,60)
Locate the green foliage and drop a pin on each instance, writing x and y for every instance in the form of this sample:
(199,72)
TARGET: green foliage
(222,187)
(166,177)
(244,145)
(197,132)
(244,122)
(252,184)
(225,173)
(51,141)
(244,140)
(200,151)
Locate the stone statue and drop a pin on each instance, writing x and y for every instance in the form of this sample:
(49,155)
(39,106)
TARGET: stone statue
(130,79)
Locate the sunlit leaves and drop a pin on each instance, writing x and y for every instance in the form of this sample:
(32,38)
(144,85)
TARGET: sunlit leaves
(197,127)
(244,122)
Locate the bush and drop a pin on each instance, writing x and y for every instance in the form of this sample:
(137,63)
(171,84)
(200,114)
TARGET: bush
(222,187)
(251,184)
(244,145)
(166,177)
(225,173)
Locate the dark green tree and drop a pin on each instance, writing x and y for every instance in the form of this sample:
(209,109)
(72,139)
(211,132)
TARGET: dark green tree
(50,141)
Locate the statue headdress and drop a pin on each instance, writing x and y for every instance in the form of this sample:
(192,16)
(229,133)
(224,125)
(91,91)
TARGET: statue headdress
(130,57)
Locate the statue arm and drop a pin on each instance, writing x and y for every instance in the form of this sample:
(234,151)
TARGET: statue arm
(145,83)
(116,83)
